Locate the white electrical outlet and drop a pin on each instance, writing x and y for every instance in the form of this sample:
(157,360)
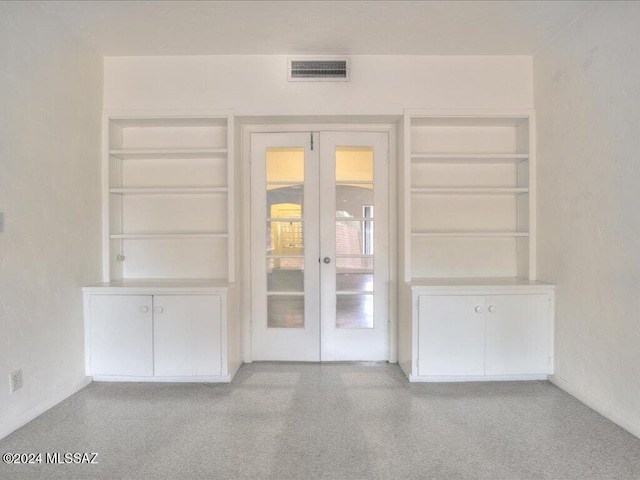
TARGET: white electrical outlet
(15,380)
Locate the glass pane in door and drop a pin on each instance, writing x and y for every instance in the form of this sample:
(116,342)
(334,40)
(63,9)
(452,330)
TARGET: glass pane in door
(285,311)
(285,164)
(354,311)
(285,274)
(285,237)
(285,201)
(354,164)
(354,237)
(355,201)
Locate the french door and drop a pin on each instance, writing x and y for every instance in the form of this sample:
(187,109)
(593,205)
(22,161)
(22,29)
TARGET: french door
(319,246)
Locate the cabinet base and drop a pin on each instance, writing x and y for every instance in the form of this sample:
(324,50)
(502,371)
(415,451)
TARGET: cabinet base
(476,378)
(181,379)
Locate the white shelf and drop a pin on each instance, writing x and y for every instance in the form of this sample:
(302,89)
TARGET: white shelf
(469,157)
(469,193)
(470,234)
(152,236)
(166,190)
(470,190)
(168,194)
(168,153)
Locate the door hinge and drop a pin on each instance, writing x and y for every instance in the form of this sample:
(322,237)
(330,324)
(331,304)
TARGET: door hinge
(311,141)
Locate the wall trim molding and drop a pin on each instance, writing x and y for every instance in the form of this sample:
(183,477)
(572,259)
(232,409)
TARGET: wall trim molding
(600,406)
(42,407)
(174,379)
(476,378)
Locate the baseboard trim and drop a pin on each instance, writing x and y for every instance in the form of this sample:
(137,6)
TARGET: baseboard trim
(475,378)
(39,409)
(179,379)
(598,405)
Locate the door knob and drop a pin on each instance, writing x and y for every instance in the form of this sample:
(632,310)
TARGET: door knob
(144,309)
(327,260)
(492,308)
(479,309)
(158,310)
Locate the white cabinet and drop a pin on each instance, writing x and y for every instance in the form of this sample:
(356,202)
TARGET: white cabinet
(478,335)
(186,335)
(475,330)
(517,334)
(451,332)
(121,334)
(157,331)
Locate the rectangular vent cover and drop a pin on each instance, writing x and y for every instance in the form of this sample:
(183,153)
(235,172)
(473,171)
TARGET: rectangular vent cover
(318,70)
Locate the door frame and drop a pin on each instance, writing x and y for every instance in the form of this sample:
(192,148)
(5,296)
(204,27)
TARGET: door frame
(245,178)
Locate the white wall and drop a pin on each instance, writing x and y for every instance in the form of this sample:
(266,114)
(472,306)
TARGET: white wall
(257,85)
(588,108)
(50,104)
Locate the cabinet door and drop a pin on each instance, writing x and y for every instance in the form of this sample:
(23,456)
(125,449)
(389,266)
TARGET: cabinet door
(517,334)
(187,335)
(121,335)
(451,335)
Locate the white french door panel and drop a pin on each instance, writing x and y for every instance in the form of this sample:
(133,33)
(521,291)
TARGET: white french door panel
(354,314)
(319,246)
(280,331)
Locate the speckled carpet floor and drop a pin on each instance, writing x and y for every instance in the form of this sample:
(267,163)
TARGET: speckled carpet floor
(311,421)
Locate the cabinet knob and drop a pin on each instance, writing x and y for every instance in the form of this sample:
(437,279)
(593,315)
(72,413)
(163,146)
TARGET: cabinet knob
(492,308)
(479,309)
(144,309)
(158,309)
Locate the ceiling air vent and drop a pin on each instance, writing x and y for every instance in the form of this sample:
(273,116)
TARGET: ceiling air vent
(318,69)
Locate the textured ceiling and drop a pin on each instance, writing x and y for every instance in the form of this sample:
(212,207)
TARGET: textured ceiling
(115,28)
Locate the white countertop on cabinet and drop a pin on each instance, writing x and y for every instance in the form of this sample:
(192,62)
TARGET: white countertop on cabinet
(483,284)
(146,286)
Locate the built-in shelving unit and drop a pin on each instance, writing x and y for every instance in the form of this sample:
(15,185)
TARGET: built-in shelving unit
(468,195)
(168,196)
(167,308)
(470,307)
